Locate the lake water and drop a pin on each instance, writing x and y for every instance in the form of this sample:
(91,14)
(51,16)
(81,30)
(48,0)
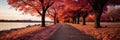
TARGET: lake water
(13,25)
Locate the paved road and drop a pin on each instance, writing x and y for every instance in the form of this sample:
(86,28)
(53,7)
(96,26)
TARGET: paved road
(67,32)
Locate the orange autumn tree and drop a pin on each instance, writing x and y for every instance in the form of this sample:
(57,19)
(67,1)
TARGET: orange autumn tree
(98,6)
(84,14)
(53,11)
(33,7)
(114,14)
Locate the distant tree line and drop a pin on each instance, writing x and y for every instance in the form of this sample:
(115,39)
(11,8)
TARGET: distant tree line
(21,21)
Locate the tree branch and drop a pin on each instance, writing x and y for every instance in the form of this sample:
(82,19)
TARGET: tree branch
(33,7)
(90,2)
(42,1)
(54,10)
(49,4)
(50,14)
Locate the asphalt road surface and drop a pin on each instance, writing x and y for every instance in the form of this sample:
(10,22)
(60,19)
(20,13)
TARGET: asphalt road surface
(67,32)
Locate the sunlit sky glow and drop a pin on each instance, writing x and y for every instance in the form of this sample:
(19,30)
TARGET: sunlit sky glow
(8,13)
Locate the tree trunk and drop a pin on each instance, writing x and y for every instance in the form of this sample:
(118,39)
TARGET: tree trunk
(97,20)
(43,19)
(73,20)
(78,19)
(113,19)
(84,22)
(57,20)
(54,20)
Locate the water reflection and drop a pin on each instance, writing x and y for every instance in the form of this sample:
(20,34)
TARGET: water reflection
(13,25)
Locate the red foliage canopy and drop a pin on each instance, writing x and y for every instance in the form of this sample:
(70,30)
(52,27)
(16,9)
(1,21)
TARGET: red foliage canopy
(29,6)
(65,8)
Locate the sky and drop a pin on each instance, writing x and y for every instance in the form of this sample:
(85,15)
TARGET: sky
(8,13)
